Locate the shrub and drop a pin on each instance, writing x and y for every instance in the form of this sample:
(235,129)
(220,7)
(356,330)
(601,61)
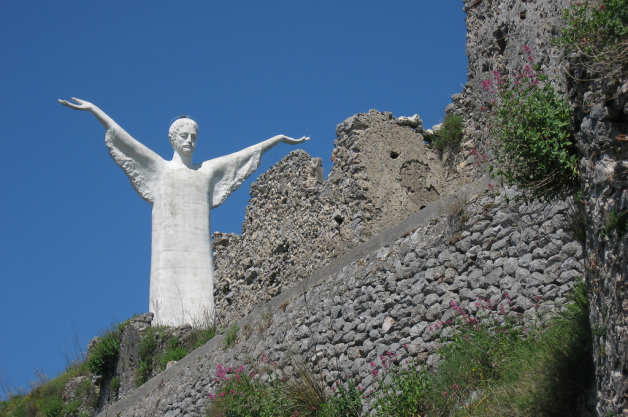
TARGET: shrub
(450,133)
(174,352)
(534,145)
(347,401)
(407,392)
(243,394)
(597,30)
(103,356)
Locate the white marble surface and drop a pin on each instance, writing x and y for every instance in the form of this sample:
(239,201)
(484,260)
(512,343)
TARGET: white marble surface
(182,195)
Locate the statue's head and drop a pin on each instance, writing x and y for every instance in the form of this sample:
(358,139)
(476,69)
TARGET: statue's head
(182,135)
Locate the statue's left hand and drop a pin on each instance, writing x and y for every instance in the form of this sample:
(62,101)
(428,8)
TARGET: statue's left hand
(82,104)
(291,141)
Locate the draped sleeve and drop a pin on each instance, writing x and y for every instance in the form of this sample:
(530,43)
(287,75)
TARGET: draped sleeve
(229,171)
(138,162)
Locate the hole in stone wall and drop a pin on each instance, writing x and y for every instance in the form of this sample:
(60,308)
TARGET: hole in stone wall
(394,155)
(339,219)
(522,15)
(501,37)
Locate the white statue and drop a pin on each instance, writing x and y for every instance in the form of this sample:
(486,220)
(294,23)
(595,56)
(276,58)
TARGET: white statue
(181,194)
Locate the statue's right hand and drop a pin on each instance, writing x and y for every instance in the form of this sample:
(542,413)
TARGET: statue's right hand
(82,104)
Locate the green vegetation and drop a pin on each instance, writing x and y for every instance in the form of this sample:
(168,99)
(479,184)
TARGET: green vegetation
(175,351)
(450,133)
(114,384)
(245,393)
(617,222)
(202,336)
(231,336)
(598,30)
(492,364)
(534,145)
(408,391)
(104,354)
(46,397)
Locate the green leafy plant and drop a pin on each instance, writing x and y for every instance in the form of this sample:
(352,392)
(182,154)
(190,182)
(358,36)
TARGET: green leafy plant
(450,134)
(597,30)
(174,351)
(346,401)
(534,145)
(114,384)
(202,336)
(231,336)
(244,394)
(617,221)
(407,393)
(103,356)
(145,352)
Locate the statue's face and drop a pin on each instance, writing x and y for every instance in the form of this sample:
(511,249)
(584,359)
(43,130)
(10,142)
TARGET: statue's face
(185,140)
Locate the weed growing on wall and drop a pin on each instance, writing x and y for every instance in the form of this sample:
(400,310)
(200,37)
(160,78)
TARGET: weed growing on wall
(242,393)
(175,351)
(597,30)
(231,336)
(259,391)
(103,356)
(450,133)
(406,393)
(534,145)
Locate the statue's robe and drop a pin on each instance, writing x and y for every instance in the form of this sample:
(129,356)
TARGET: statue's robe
(181,274)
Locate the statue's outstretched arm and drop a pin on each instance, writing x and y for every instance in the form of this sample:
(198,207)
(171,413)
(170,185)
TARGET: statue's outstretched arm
(102,117)
(267,144)
(228,172)
(140,164)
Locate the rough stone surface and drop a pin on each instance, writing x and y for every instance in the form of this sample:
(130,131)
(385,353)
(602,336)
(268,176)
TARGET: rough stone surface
(497,31)
(396,298)
(518,256)
(603,140)
(296,223)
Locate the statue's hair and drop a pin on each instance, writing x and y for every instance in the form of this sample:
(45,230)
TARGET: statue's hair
(178,124)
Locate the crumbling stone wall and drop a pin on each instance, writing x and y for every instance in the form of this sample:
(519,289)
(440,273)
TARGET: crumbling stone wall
(497,31)
(390,299)
(296,222)
(603,140)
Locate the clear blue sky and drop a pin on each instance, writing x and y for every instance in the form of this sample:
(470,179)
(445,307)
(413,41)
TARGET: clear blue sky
(75,236)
